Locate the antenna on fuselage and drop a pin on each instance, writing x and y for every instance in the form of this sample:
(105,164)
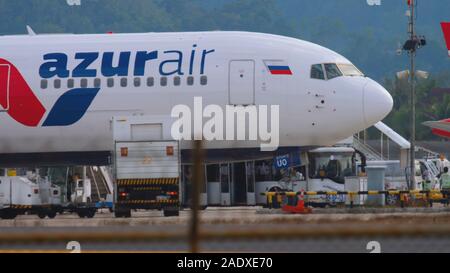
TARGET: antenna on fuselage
(30,31)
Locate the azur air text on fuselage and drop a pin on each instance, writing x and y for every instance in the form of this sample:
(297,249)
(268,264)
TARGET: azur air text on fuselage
(169,62)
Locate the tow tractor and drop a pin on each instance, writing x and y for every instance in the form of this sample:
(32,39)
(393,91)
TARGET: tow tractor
(31,193)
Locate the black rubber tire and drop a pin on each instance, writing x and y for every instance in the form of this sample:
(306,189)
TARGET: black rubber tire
(81,214)
(12,216)
(90,213)
(392,200)
(8,215)
(276,189)
(52,214)
(42,215)
(122,213)
(127,214)
(171,213)
(275,204)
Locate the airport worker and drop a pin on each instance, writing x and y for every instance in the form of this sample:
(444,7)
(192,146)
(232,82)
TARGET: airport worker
(445,184)
(299,176)
(426,180)
(296,175)
(442,163)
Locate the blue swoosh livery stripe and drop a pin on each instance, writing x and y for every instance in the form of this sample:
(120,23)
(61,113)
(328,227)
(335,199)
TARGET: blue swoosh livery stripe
(71,107)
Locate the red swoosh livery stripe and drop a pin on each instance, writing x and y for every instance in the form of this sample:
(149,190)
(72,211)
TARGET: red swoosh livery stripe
(446,30)
(23,106)
(4,70)
(442,133)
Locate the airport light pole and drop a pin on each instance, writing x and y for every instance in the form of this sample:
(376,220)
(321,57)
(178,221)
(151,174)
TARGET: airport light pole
(415,42)
(412,34)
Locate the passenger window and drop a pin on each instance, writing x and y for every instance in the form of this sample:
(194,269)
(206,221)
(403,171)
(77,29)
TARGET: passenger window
(164,81)
(137,82)
(203,80)
(332,71)
(44,84)
(57,83)
(190,80)
(317,72)
(84,83)
(70,83)
(176,81)
(97,83)
(110,82)
(150,81)
(123,82)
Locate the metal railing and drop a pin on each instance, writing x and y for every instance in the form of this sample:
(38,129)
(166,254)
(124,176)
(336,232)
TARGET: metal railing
(368,151)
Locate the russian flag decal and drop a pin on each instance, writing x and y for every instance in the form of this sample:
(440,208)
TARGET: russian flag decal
(278,68)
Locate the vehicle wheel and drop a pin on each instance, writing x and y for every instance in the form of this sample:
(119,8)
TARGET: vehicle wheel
(90,213)
(276,189)
(42,215)
(203,207)
(3,214)
(8,215)
(127,214)
(275,203)
(81,214)
(12,216)
(331,201)
(52,214)
(392,199)
(171,213)
(122,213)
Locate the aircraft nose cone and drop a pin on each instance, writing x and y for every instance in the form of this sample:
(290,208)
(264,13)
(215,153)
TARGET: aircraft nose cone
(378,103)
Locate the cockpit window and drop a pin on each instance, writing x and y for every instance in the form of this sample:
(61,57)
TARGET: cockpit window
(317,72)
(332,71)
(349,70)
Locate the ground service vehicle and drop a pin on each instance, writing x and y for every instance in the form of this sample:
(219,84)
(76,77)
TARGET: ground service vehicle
(147,177)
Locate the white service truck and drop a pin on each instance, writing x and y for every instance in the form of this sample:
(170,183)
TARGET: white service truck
(28,195)
(146,166)
(147,177)
(32,194)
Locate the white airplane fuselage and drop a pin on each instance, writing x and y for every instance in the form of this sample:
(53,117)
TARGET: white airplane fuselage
(235,65)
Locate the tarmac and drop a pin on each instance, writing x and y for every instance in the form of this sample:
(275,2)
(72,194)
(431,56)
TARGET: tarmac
(240,229)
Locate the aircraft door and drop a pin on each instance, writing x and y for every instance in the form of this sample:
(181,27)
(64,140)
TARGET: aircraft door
(242,82)
(5,72)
